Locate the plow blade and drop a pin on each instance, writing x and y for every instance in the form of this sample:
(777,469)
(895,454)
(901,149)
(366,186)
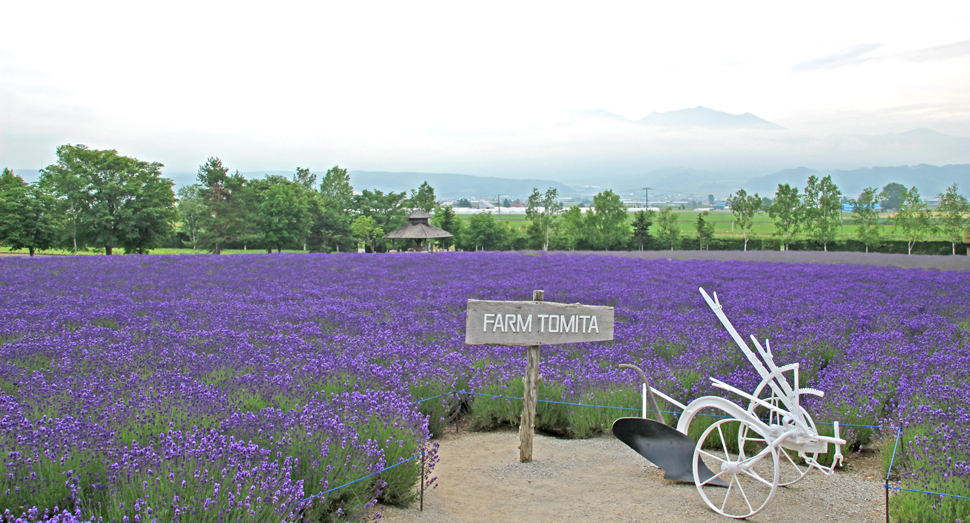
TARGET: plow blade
(663,446)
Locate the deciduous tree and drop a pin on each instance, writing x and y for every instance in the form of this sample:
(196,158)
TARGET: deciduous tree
(28,214)
(606,226)
(787,212)
(423,198)
(190,210)
(151,213)
(484,232)
(366,229)
(123,201)
(572,228)
(705,230)
(913,218)
(388,210)
(542,210)
(867,217)
(954,215)
(668,231)
(284,214)
(892,195)
(823,208)
(744,207)
(63,180)
(332,229)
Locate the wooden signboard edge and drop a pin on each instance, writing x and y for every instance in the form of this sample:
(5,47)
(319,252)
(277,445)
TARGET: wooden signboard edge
(527,422)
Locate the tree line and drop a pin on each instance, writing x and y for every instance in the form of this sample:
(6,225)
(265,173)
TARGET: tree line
(816,213)
(102,200)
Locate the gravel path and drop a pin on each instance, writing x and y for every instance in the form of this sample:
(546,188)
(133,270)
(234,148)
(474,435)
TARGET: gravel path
(602,480)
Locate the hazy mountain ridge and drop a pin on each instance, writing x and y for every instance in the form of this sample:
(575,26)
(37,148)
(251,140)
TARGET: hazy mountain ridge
(701,116)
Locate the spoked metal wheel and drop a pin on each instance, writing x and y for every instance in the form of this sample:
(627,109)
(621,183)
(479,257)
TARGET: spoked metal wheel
(794,464)
(739,455)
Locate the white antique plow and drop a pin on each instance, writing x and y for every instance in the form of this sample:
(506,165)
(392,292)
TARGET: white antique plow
(739,461)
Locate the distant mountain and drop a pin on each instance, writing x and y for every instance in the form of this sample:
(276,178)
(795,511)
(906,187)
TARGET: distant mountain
(604,114)
(930,180)
(706,118)
(448,185)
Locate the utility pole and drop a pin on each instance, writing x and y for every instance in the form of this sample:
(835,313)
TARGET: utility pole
(646,198)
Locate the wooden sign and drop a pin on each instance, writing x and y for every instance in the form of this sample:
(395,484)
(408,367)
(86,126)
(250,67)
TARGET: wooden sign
(535,323)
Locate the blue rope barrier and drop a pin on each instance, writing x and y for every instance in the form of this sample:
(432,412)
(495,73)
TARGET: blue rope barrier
(432,398)
(926,492)
(674,412)
(893,459)
(359,480)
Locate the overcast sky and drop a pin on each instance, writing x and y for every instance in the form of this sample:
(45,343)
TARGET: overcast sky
(485,87)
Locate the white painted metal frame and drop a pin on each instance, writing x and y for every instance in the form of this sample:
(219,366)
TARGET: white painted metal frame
(789,428)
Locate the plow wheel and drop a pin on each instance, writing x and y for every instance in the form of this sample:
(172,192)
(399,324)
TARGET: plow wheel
(738,454)
(793,464)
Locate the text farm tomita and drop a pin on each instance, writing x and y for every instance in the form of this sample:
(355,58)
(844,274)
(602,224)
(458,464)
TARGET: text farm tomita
(536,323)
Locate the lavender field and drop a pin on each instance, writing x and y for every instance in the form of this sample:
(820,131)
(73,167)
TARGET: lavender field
(216,388)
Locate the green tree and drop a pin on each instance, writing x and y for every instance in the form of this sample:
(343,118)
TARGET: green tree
(787,212)
(335,189)
(445,218)
(123,201)
(248,223)
(642,221)
(572,228)
(366,229)
(867,217)
(892,196)
(305,179)
(332,228)
(744,207)
(191,210)
(913,218)
(668,231)
(954,214)
(285,217)
(151,212)
(423,198)
(606,227)
(542,210)
(710,199)
(63,180)
(705,230)
(823,209)
(484,232)
(220,194)
(28,214)
(388,210)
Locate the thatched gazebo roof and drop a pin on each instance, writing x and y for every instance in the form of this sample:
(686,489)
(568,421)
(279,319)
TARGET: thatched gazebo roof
(418,228)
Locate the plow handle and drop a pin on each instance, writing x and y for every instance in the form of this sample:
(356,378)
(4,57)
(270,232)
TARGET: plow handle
(647,393)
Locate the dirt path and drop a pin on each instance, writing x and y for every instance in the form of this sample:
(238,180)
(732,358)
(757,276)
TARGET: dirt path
(602,480)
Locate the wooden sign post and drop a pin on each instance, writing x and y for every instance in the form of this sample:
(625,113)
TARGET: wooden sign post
(533,324)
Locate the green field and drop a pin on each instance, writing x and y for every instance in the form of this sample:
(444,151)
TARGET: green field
(763,225)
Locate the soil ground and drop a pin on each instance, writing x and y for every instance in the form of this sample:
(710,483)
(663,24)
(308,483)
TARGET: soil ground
(601,480)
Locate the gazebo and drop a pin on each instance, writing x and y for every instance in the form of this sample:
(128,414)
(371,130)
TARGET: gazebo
(418,229)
